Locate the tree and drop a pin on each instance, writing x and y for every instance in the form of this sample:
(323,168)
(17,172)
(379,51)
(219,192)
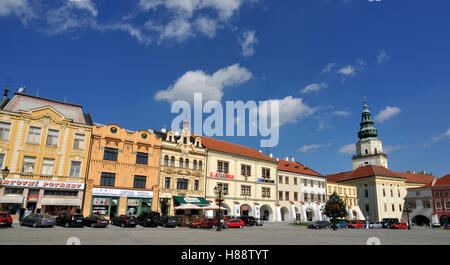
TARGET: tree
(335,208)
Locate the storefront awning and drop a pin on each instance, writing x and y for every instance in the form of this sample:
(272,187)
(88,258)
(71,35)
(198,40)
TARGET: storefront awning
(191,200)
(11,199)
(61,201)
(188,207)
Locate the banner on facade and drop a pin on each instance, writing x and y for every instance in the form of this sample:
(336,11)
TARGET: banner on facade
(41,184)
(122,193)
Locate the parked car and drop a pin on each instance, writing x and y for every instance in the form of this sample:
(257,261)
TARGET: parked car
(233,223)
(205,223)
(375,225)
(38,220)
(248,220)
(386,222)
(341,224)
(5,219)
(356,224)
(259,222)
(70,220)
(95,221)
(398,226)
(124,221)
(168,221)
(149,219)
(447,226)
(319,224)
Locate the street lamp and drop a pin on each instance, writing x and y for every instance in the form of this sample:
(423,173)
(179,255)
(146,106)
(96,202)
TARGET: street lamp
(5,172)
(407,214)
(218,190)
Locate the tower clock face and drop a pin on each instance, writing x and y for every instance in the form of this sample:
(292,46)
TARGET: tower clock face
(375,145)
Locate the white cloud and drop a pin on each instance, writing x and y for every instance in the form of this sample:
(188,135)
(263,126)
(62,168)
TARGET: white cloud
(347,70)
(442,136)
(388,149)
(387,113)
(18,8)
(342,113)
(207,26)
(71,15)
(312,147)
(247,42)
(211,86)
(348,149)
(314,87)
(178,29)
(329,67)
(382,56)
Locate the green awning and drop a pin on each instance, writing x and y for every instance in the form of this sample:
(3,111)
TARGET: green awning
(191,200)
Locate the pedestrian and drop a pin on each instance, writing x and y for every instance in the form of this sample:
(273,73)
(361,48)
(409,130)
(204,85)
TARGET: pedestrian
(27,212)
(367,224)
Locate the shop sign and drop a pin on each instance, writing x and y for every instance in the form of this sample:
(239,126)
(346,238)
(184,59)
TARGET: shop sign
(100,210)
(133,202)
(122,193)
(101,201)
(42,184)
(191,200)
(221,175)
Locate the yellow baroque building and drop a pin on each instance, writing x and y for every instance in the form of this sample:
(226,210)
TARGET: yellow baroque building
(45,145)
(348,193)
(123,172)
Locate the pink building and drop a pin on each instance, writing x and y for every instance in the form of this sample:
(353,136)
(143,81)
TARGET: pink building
(441,199)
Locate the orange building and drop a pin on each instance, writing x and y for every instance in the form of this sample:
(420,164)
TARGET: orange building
(123,172)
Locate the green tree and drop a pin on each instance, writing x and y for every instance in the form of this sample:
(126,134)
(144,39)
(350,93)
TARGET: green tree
(335,208)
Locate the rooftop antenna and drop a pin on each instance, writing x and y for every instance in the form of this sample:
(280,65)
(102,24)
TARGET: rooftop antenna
(37,93)
(65,99)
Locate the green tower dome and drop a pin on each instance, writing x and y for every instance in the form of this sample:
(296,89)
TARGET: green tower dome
(367,130)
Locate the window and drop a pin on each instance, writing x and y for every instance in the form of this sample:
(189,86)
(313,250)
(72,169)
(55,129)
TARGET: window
(437,194)
(47,166)
(28,164)
(110,154)
(426,204)
(392,193)
(295,196)
(172,161)
(142,158)
(245,170)
(167,183)
(366,193)
(180,163)
(186,163)
(438,205)
(184,140)
(196,184)
(305,197)
(2,159)
(4,130)
(139,182)
(445,193)
(305,183)
(384,193)
(194,165)
(34,135)
(182,184)
(295,181)
(246,190)
(385,207)
(78,142)
(265,172)
(367,152)
(400,207)
(287,180)
(52,137)
(393,207)
(265,192)
(224,188)
(75,168)
(281,180)
(311,182)
(166,160)
(280,195)
(447,205)
(107,179)
(200,165)
(61,193)
(398,193)
(15,191)
(286,197)
(367,208)
(222,166)
(412,204)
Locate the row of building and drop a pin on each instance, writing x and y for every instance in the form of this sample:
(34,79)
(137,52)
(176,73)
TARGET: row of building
(60,160)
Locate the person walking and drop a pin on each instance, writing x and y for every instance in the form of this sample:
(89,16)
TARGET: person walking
(27,212)
(367,224)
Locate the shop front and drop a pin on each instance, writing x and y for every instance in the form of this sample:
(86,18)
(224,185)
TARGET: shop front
(114,202)
(189,209)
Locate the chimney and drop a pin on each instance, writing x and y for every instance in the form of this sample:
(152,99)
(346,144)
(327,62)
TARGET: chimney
(293,159)
(286,158)
(163,130)
(271,155)
(260,151)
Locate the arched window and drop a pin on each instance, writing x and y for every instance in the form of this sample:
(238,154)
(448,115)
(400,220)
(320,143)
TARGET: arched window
(172,161)
(367,152)
(181,163)
(166,160)
(376,151)
(200,165)
(184,140)
(195,164)
(186,163)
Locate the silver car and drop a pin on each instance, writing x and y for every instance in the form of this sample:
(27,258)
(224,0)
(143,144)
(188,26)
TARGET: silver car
(38,220)
(375,225)
(259,222)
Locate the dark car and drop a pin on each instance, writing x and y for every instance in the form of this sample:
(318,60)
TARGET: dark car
(70,220)
(386,222)
(168,221)
(38,220)
(148,219)
(95,221)
(124,221)
(248,220)
(5,219)
(319,224)
(341,224)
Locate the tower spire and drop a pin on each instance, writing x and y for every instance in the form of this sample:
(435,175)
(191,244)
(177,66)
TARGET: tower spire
(367,129)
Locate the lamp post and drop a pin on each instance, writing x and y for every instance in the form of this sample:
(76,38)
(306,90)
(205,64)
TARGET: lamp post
(407,214)
(218,190)
(5,172)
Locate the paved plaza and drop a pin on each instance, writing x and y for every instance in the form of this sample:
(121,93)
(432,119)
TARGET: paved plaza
(269,234)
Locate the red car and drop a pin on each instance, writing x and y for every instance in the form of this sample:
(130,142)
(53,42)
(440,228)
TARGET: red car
(235,223)
(355,224)
(205,223)
(5,219)
(399,226)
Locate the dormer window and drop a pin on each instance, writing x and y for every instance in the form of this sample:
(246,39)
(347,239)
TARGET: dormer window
(184,140)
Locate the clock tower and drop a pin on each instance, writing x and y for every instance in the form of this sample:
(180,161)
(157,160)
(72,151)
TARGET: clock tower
(369,149)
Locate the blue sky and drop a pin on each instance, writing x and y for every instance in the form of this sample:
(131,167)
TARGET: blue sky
(319,57)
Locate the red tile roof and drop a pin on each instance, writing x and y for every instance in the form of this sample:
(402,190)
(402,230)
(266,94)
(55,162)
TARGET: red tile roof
(417,178)
(444,181)
(220,145)
(362,172)
(296,167)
